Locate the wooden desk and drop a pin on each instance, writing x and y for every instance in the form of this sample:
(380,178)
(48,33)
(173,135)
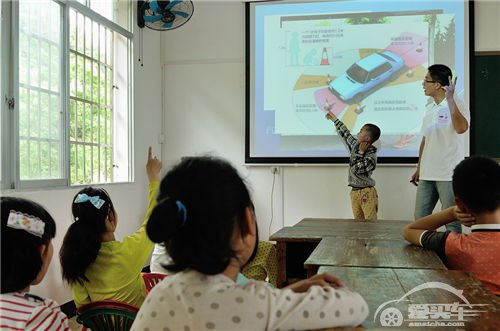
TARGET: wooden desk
(296,243)
(348,222)
(336,251)
(379,285)
(316,229)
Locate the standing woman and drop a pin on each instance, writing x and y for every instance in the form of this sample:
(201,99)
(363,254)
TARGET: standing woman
(94,263)
(205,218)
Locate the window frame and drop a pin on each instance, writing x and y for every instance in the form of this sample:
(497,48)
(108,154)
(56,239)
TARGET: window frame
(10,149)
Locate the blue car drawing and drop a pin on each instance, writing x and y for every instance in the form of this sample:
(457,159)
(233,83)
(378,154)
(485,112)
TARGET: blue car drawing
(365,75)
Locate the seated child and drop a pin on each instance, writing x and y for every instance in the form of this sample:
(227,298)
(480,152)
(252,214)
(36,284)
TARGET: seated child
(362,163)
(264,265)
(27,232)
(476,183)
(206,220)
(96,265)
(160,259)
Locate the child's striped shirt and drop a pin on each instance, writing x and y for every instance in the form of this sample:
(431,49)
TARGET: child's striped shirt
(24,311)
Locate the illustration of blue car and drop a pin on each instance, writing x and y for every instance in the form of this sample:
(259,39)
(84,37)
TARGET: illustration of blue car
(365,75)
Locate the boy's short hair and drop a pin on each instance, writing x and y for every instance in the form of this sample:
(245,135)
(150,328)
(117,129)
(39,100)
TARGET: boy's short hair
(440,73)
(476,181)
(373,131)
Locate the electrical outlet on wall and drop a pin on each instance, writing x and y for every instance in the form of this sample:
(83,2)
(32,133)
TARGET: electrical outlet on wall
(275,170)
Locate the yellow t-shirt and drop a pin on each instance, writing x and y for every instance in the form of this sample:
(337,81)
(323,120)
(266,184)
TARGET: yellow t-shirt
(116,272)
(264,265)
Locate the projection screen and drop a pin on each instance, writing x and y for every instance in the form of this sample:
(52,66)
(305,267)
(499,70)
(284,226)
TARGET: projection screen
(303,56)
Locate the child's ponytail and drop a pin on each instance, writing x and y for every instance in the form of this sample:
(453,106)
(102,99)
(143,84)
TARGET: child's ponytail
(165,219)
(82,242)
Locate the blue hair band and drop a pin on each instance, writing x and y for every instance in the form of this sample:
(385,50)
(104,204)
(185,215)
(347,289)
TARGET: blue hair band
(181,208)
(94,200)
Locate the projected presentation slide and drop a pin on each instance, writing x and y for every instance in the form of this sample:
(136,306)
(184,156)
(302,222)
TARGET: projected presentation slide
(365,60)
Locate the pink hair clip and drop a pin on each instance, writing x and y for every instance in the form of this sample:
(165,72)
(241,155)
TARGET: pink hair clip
(28,223)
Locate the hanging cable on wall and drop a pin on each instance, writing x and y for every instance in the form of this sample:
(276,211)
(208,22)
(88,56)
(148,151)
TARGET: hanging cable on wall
(274,171)
(141,48)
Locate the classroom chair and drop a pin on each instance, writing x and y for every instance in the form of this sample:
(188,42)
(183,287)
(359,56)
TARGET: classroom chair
(151,279)
(107,315)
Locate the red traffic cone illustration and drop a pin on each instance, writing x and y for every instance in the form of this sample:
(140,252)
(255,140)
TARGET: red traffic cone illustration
(324,58)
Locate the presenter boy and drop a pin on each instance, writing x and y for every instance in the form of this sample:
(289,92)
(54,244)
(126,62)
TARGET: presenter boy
(362,162)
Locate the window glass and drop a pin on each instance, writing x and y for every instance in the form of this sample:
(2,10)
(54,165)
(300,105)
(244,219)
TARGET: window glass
(117,11)
(74,109)
(380,70)
(39,103)
(91,100)
(357,73)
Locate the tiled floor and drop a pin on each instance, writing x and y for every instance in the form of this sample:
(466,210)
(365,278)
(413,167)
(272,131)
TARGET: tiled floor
(73,324)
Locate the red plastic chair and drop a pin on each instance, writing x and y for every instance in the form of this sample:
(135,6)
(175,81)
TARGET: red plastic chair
(151,279)
(107,315)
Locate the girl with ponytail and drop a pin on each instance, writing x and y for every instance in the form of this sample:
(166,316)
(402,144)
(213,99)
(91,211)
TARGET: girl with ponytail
(206,220)
(96,265)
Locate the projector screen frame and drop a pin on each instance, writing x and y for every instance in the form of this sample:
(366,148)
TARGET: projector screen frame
(297,160)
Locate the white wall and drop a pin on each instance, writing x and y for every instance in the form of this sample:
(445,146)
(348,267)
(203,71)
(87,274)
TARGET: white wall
(487,23)
(130,199)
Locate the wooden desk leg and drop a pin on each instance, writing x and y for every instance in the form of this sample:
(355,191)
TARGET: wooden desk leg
(281,255)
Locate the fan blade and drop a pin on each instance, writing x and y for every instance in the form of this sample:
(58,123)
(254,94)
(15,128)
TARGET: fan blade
(172,3)
(152,18)
(180,13)
(168,25)
(153,5)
